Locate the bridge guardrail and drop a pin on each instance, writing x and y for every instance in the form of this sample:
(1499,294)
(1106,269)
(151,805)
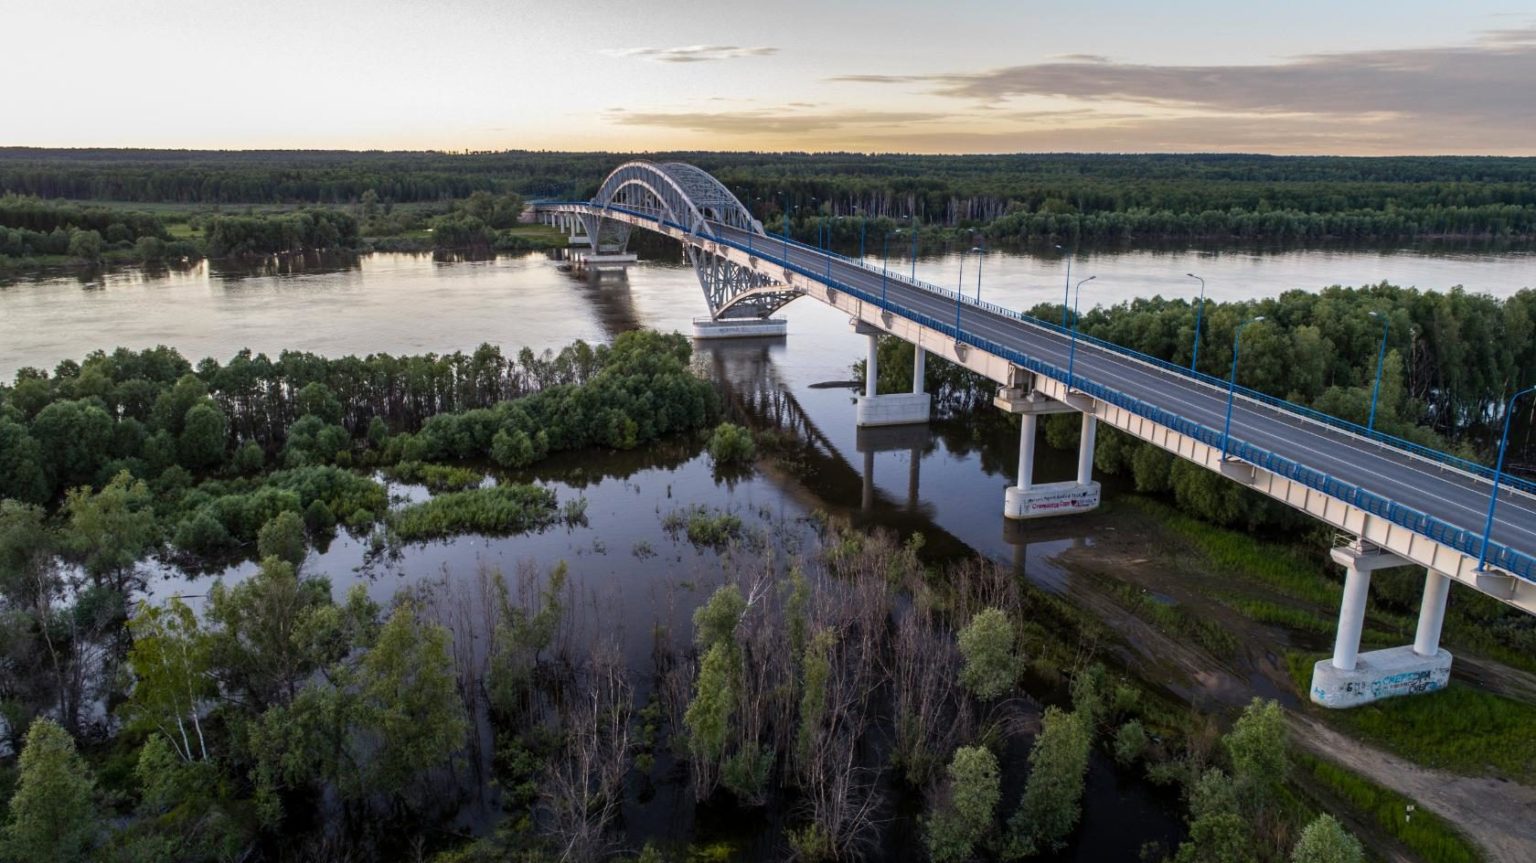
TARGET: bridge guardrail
(1463,540)
(1416,449)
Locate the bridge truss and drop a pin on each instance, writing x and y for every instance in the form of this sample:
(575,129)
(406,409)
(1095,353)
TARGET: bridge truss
(693,201)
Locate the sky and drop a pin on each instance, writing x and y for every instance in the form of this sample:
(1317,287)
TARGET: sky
(1367,77)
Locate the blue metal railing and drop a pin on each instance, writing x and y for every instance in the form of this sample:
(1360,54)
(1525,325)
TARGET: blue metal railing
(1392,441)
(1466,541)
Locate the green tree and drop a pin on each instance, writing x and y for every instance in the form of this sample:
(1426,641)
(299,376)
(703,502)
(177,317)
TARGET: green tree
(85,245)
(959,824)
(273,630)
(283,537)
(991,662)
(409,702)
(111,530)
(204,435)
(52,815)
(816,670)
(170,666)
(1053,794)
(715,621)
(1326,841)
(709,713)
(1257,746)
(1218,832)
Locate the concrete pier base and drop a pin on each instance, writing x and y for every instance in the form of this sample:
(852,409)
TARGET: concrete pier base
(606,261)
(894,409)
(739,328)
(1379,674)
(1051,498)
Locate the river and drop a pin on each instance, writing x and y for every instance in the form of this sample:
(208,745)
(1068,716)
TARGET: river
(631,573)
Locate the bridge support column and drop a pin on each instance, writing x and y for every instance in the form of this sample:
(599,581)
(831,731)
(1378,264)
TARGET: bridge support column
(1351,678)
(1437,588)
(1026,499)
(1085,449)
(919,370)
(892,409)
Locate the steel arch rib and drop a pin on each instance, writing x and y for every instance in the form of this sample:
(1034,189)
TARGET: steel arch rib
(685,195)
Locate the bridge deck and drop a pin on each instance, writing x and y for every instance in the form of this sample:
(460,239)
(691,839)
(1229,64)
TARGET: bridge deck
(1436,489)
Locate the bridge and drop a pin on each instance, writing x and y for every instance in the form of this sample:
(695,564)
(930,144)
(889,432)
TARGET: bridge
(1392,502)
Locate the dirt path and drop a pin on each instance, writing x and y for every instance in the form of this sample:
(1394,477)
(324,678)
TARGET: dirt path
(1499,816)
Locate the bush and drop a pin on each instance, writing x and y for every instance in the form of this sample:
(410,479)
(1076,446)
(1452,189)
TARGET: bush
(991,663)
(731,444)
(283,538)
(1326,841)
(497,511)
(1130,743)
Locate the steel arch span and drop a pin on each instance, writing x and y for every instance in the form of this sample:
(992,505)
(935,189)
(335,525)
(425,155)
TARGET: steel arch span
(689,198)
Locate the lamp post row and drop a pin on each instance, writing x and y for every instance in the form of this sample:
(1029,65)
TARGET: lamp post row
(1069,316)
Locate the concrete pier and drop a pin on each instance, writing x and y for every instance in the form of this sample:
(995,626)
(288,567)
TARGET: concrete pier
(1025,498)
(739,328)
(1351,678)
(891,409)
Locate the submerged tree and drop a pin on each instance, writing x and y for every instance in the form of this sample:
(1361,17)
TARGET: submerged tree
(991,661)
(964,815)
(1052,801)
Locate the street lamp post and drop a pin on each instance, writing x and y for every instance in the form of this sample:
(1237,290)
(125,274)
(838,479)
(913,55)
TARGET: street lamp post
(1381,359)
(1072,349)
(914,247)
(1066,289)
(1498,474)
(885,263)
(981,253)
(1199,316)
(1226,429)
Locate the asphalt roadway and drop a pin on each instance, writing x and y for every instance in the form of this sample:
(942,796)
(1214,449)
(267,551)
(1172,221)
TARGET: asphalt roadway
(1438,490)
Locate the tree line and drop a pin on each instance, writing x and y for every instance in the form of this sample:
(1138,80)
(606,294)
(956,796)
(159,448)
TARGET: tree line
(1086,197)
(149,411)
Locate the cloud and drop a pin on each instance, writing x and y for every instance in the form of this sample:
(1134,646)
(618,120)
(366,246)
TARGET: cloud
(694,53)
(1081,58)
(1485,84)
(771,121)
(877,79)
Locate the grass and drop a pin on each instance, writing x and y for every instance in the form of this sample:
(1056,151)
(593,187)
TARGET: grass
(495,511)
(436,477)
(1278,566)
(1460,729)
(1427,835)
(704,527)
(1174,620)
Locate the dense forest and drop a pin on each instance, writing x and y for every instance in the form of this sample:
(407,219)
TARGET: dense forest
(1074,197)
